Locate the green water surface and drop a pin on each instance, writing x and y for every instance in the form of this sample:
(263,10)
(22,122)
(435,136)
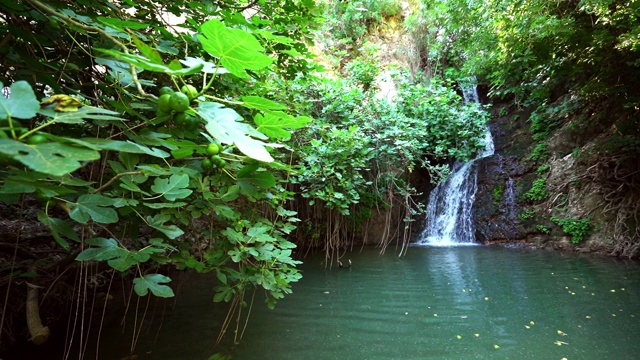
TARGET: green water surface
(434,303)
(455,303)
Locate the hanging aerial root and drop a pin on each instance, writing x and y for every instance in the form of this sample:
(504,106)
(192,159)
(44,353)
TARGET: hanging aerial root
(39,334)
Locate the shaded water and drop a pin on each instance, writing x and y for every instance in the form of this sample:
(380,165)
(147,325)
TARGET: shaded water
(434,303)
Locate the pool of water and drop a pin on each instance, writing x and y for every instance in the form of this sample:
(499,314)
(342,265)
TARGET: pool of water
(433,303)
(456,303)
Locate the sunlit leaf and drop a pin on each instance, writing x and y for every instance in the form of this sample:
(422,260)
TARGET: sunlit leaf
(223,124)
(273,124)
(237,49)
(260,103)
(22,102)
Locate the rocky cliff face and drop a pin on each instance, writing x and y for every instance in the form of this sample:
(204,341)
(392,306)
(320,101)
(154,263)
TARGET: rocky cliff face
(562,191)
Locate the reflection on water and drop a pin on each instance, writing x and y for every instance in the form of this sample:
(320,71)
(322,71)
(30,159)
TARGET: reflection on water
(455,303)
(434,303)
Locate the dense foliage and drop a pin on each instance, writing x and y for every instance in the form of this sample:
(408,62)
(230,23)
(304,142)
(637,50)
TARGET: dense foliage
(574,64)
(135,132)
(356,160)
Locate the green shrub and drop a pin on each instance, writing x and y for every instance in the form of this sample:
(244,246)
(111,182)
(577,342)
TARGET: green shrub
(543,169)
(526,215)
(538,191)
(497,194)
(578,229)
(352,20)
(543,229)
(362,72)
(540,153)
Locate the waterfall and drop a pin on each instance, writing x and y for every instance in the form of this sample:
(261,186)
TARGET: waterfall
(449,220)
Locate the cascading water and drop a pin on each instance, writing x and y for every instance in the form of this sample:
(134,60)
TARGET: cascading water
(449,221)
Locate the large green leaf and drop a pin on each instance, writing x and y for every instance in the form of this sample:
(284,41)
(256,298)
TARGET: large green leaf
(147,64)
(22,102)
(153,282)
(59,228)
(94,206)
(84,113)
(172,188)
(124,260)
(158,222)
(120,146)
(121,24)
(273,124)
(106,249)
(253,148)
(147,50)
(260,103)
(222,123)
(49,158)
(18,182)
(237,49)
(251,183)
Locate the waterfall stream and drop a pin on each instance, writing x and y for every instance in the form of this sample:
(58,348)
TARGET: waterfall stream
(449,220)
